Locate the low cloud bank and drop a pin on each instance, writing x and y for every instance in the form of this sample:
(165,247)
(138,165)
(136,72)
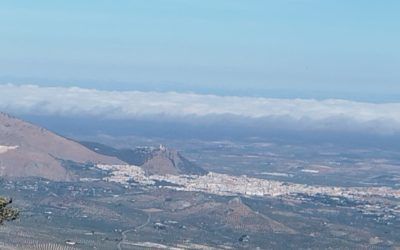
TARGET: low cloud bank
(308,114)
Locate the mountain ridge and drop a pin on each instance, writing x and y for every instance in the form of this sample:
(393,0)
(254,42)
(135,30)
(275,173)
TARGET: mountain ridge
(28,150)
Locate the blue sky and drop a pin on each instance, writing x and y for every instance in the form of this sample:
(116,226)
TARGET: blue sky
(287,48)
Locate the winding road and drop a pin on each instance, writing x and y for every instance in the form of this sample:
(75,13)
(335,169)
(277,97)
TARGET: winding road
(123,240)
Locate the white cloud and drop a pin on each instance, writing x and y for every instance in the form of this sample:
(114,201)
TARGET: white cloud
(314,114)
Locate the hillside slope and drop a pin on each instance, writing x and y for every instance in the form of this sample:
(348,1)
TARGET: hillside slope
(29,150)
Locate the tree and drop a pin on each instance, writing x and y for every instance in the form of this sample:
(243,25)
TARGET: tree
(7,213)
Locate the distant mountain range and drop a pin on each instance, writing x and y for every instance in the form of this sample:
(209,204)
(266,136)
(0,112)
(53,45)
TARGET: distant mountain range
(27,150)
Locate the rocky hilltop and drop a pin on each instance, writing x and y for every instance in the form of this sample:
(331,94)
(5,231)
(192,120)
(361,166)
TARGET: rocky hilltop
(29,150)
(154,161)
(168,161)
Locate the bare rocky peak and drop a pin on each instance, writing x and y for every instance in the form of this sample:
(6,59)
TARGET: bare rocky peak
(29,150)
(164,161)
